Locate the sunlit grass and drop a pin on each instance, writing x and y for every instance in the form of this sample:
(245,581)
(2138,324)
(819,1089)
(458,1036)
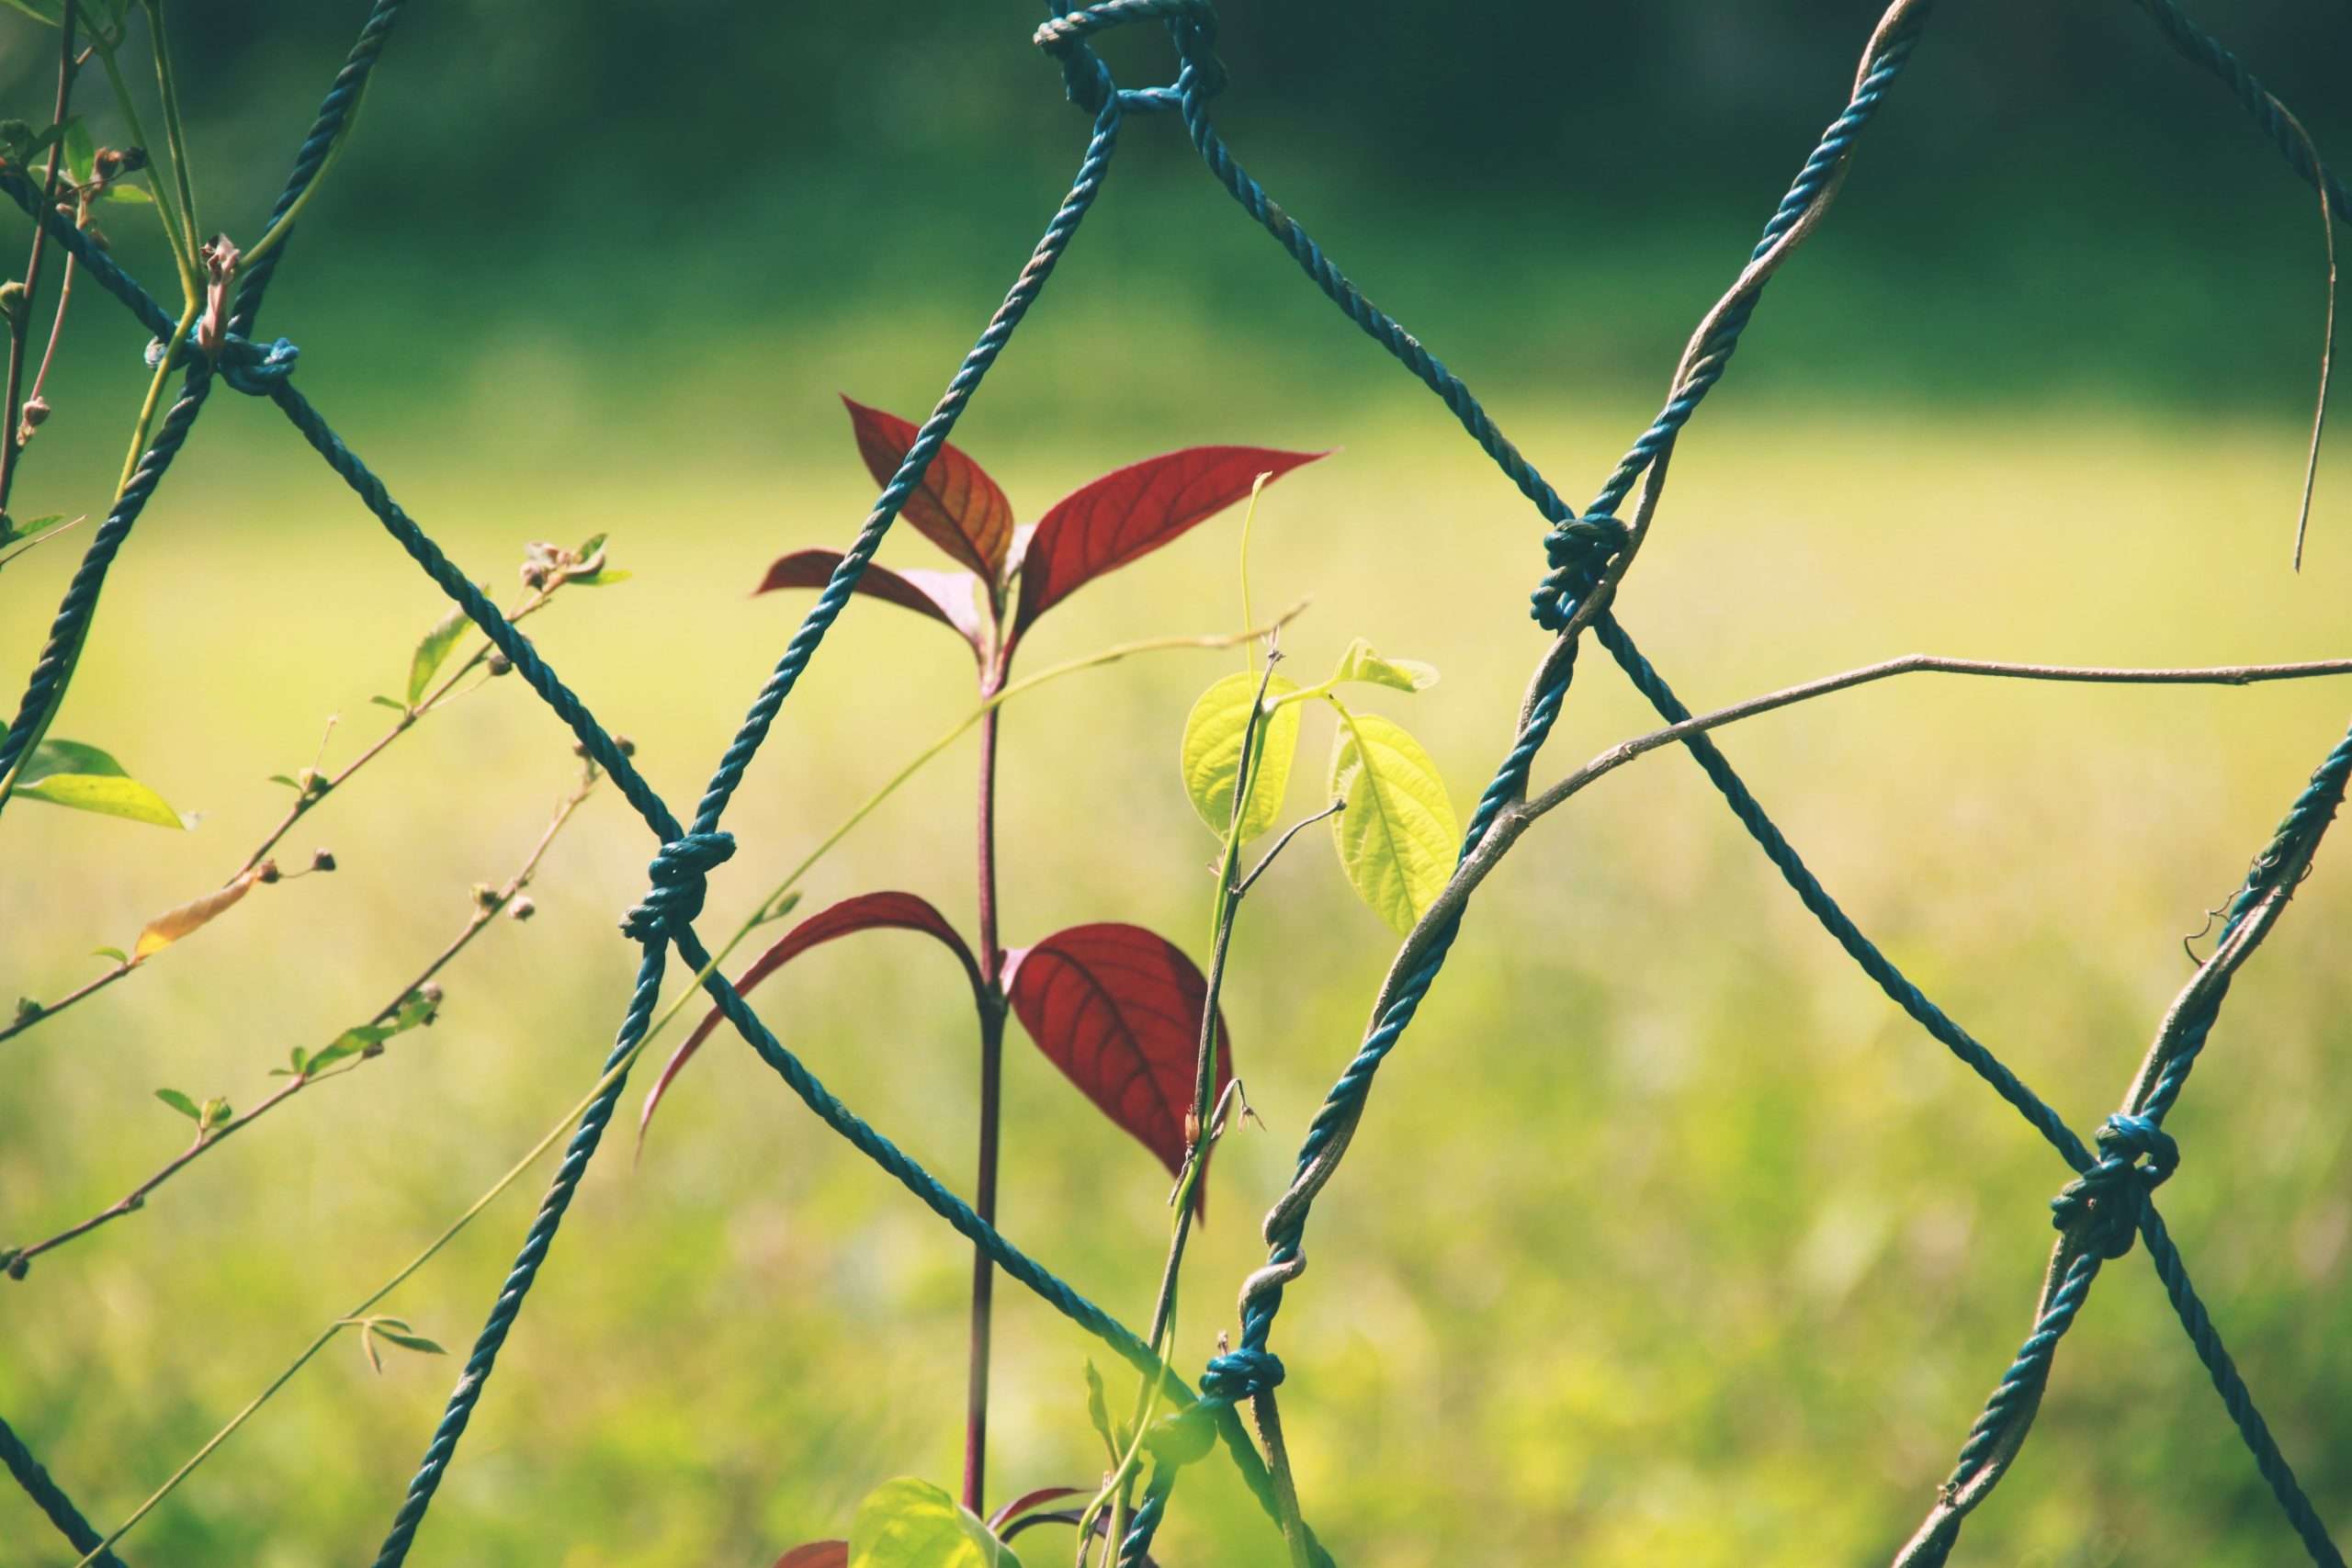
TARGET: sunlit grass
(1667,1239)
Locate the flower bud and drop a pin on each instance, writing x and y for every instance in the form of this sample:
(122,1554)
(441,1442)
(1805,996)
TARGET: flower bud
(521,909)
(36,410)
(500,664)
(322,860)
(267,873)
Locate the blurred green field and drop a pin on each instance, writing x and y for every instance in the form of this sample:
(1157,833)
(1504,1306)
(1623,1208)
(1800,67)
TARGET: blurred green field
(1668,1238)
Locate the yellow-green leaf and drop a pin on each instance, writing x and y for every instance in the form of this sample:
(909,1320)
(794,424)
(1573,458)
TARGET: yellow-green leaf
(909,1523)
(1211,755)
(66,773)
(1398,836)
(1360,663)
(431,650)
(172,924)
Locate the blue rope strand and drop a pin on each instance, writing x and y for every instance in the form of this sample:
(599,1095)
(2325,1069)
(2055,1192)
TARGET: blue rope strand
(525,1269)
(928,440)
(311,159)
(52,1500)
(45,687)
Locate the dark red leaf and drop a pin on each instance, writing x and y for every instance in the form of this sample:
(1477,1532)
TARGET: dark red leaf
(1028,1500)
(956,507)
(817,1555)
(945,596)
(1118,1010)
(867,911)
(1132,512)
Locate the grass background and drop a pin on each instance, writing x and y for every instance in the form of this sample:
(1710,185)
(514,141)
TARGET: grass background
(1668,1238)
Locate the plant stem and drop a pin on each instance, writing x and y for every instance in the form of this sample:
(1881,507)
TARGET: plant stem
(183,262)
(992,1010)
(18,327)
(448,1235)
(306,800)
(137,1197)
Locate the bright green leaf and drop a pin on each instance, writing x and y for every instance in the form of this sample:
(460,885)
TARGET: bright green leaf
(1211,754)
(430,650)
(1360,663)
(81,152)
(180,1104)
(406,1341)
(381,702)
(909,1523)
(1398,836)
(114,953)
(595,542)
(603,579)
(215,1112)
(66,773)
(16,532)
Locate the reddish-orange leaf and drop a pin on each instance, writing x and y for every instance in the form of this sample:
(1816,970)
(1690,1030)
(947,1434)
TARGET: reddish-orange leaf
(1132,512)
(817,1555)
(956,506)
(945,596)
(867,911)
(1118,1010)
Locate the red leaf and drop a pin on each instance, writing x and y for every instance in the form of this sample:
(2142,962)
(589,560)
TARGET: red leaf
(1118,1010)
(945,596)
(1025,1502)
(817,1555)
(867,911)
(1132,512)
(956,507)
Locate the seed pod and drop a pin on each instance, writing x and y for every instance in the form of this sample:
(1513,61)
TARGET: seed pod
(322,860)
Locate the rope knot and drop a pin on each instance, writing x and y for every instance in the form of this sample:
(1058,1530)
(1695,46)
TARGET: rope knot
(1088,82)
(679,874)
(256,370)
(2104,1204)
(253,368)
(1578,551)
(1241,1374)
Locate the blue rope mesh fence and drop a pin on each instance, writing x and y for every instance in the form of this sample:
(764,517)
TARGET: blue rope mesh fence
(2097,1214)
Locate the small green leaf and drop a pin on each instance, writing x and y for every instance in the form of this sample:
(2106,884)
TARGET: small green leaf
(603,579)
(406,1341)
(350,1042)
(81,152)
(180,1104)
(1398,836)
(114,953)
(66,773)
(1360,663)
(123,191)
(14,533)
(1098,1410)
(909,1523)
(1211,755)
(49,11)
(595,541)
(431,650)
(292,784)
(28,1011)
(214,1112)
(384,702)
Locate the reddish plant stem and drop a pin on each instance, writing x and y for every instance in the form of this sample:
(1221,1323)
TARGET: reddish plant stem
(992,1011)
(19,328)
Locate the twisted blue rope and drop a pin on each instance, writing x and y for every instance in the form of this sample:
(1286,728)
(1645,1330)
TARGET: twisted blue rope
(2205,51)
(45,688)
(678,872)
(1555,600)
(52,1500)
(310,158)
